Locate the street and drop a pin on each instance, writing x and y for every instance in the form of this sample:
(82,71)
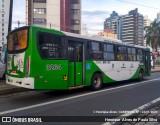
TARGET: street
(122,96)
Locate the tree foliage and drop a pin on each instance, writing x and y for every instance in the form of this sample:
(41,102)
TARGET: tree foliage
(153,34)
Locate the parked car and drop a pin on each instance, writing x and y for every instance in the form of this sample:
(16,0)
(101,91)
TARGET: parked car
(2,70)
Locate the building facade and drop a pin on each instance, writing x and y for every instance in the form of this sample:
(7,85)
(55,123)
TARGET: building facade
(114,24)
(129,28)
(84,30)
(133,28)
(64,15)
(4,19)
(107,34)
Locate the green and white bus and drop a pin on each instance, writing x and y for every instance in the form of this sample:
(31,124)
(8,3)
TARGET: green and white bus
(45,59)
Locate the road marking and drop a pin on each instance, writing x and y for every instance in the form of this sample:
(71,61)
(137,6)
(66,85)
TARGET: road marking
(137,109)
(69,98)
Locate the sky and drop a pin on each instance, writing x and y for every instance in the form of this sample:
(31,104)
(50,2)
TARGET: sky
(94,12)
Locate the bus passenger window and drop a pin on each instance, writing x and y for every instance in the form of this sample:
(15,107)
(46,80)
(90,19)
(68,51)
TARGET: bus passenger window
(51,46)
(95,51)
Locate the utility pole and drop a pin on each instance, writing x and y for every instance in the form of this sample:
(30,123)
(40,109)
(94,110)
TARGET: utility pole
(18,22)
(10,16)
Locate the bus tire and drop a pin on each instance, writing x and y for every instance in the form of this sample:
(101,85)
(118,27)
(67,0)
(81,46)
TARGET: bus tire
(96,81)
(140,75)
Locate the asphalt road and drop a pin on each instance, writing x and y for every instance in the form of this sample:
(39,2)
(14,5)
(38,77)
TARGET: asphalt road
(122,96)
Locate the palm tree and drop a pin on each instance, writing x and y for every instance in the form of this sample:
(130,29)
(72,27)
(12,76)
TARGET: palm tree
(153,34)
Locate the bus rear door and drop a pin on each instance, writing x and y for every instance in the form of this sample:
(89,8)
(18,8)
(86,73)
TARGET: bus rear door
(76,61)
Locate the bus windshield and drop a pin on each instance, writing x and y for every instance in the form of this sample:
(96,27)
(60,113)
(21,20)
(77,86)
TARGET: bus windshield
(17,41)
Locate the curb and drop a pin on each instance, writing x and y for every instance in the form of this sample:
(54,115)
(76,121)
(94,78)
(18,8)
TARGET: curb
(155,71)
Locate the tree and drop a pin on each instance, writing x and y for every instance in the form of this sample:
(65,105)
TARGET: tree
(153,34)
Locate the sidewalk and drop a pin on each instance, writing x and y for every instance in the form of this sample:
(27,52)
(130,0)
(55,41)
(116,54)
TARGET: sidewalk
(156,69)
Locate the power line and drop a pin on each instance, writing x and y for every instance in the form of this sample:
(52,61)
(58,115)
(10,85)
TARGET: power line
(139,4)
(51,25)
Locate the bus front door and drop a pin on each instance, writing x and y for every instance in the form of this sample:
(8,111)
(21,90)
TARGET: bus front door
(147,63)
(76,59)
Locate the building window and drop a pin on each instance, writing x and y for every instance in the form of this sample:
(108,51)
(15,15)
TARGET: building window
(75,1)
(39,1)
(2,15)
(2,24)
(39,21)
(2,34)
(75,11)
(2,29)
(2,5)
(75,22)
(40,10)
(75,31)
(2,39)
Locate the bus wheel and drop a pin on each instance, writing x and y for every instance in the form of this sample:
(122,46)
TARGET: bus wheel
(140,76)
(96,81)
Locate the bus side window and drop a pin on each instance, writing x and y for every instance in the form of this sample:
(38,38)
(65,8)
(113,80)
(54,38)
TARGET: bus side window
(109,52)
(140,55)
(95,51)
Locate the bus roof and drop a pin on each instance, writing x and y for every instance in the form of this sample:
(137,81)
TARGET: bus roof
(102,39)
(88,37)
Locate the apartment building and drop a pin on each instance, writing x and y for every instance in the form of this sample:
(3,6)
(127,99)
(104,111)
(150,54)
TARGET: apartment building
(4,19)
(113,23)
(129,28)
(62,15)
(133,28)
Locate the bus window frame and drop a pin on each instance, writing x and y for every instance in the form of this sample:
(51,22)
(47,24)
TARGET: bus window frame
(143,55)
(131,47)
(123,53)
(106,51)
(89,48)
(17,30)
(77,40)
(52,34)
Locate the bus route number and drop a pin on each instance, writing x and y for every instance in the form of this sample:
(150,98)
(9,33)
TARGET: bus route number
(53,67)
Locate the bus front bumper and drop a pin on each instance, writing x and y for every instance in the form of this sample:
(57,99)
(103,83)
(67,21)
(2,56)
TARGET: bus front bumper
(20,82)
